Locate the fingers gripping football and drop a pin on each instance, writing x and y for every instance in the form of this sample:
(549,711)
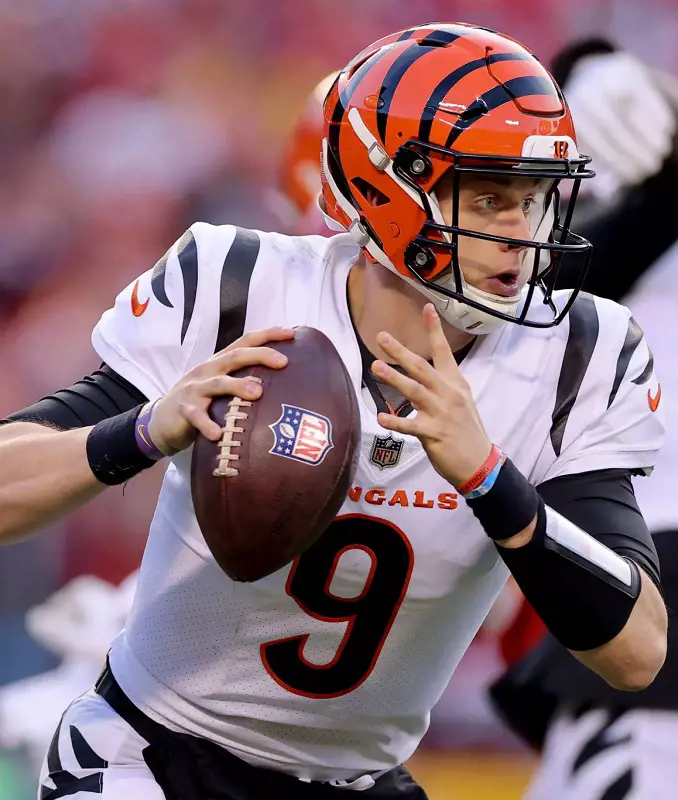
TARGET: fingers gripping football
(182,412)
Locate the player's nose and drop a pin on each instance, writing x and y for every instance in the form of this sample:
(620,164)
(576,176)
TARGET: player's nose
(517,228)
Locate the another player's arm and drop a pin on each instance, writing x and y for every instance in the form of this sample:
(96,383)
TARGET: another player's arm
(596,602)
(64,450)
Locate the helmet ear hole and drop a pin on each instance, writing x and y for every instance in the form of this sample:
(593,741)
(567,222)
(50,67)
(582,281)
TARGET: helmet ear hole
(416,164)
(372,196)
(419,259)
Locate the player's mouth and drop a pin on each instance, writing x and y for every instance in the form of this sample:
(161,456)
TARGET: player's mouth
(504,284)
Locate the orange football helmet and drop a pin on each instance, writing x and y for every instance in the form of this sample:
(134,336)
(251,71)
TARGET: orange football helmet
(450,97)
(299,176)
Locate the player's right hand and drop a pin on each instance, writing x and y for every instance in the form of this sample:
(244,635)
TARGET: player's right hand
(182,412)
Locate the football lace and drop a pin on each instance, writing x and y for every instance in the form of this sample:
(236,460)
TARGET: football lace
(227,442)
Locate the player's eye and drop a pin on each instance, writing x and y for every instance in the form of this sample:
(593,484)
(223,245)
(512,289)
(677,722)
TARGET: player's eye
(487,203)
(528,202)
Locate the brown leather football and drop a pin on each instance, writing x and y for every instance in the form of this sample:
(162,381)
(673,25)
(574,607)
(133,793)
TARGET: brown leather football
(283,468)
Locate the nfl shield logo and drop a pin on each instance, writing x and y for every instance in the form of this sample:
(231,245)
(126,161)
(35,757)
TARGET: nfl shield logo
(386,451)
(301,435)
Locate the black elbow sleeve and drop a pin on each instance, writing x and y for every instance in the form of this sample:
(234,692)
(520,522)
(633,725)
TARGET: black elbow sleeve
(97,397)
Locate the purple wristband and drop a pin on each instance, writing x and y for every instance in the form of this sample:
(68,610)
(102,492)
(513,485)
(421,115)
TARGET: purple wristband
(142,436)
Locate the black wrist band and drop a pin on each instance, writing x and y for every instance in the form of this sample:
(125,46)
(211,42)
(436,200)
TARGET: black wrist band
(112,451)
(510,505)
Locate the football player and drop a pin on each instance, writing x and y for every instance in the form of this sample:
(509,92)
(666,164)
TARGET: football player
(294,200)
(444,152)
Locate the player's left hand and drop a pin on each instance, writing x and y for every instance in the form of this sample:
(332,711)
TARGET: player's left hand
(447,421)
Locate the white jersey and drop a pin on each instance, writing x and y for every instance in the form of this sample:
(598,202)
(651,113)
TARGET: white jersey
(653,304)
(329,668)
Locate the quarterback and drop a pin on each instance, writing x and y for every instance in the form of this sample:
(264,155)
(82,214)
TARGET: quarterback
(501,425)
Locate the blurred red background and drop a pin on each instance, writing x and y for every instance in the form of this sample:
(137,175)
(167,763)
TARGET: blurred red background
(122,123)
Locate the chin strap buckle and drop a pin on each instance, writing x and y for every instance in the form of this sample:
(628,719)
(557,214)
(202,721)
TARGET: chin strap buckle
(359,233)
(378,156)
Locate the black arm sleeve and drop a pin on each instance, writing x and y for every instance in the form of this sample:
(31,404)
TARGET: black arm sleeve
(603,504)
(98,396)
(530,691)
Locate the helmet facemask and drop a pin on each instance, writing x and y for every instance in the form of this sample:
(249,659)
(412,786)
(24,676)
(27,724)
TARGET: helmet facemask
(462,304)
(452,99)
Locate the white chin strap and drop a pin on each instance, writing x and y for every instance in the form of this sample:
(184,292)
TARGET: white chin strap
(473,320)
(460,315)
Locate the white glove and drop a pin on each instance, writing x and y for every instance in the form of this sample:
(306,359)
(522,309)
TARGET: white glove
(622,118)
(30,709)
(82,618)
(78,623)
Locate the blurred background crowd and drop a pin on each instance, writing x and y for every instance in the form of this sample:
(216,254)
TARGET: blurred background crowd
(120,124)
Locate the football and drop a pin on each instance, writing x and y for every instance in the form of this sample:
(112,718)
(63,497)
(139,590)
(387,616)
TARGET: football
(269,488)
